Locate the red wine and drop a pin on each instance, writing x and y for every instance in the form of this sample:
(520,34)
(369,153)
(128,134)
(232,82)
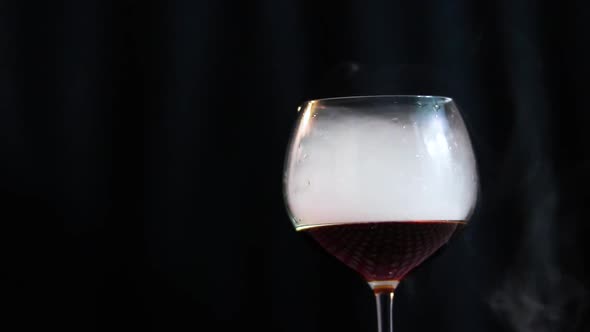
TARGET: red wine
(383,250)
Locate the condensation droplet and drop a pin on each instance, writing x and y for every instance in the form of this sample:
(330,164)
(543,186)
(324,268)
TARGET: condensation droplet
(436,107)
(395,119)
(404,126)
(308,183)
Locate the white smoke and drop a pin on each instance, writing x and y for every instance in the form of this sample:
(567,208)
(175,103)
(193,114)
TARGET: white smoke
(383,166)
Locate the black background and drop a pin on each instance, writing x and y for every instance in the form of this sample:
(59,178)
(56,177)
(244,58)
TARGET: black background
(142,148)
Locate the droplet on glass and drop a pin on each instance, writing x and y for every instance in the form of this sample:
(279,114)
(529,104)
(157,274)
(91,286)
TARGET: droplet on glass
(436,107)
(308,183)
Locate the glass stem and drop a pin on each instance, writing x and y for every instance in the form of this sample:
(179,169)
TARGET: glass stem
(384,291)
(384,311)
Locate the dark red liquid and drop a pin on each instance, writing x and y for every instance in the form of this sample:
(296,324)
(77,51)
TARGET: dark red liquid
(383,250)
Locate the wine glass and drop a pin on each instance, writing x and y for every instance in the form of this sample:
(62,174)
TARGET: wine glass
(381,183)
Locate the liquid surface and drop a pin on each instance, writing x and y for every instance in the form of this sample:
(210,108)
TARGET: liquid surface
(383,250)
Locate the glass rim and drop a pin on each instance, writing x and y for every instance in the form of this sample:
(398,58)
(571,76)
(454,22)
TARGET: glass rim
(441,99)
